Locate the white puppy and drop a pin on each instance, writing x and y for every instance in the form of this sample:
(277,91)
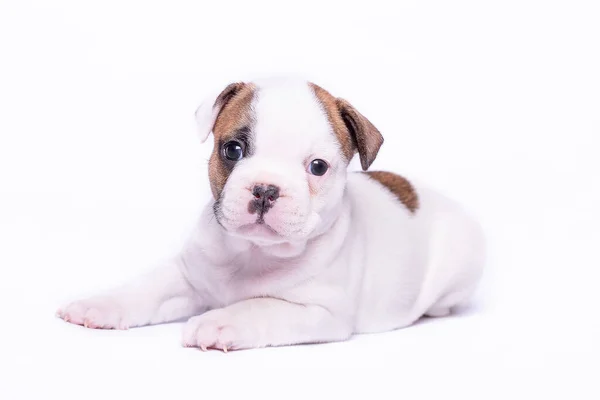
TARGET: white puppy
(293,248)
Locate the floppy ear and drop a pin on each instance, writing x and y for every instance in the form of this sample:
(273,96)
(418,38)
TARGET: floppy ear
(365,136)
(207,113)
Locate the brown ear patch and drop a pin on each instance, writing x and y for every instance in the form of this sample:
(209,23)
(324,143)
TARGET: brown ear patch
(235,102)
(353,130)
(399,186)
(234,117)
(366,136)
(329,104)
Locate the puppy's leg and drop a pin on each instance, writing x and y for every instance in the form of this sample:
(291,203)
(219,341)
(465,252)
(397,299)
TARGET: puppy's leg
(264,322)
(162,295)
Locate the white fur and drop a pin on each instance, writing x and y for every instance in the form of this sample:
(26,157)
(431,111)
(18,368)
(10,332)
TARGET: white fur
(350,258)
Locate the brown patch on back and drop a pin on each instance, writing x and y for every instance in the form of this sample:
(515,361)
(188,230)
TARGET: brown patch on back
(399,186)
(330,105)
(235,102)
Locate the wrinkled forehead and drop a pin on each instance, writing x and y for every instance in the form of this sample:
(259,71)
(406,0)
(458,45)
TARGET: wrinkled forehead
(290,118)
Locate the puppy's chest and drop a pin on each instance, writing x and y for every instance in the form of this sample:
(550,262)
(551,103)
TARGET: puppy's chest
(251,275)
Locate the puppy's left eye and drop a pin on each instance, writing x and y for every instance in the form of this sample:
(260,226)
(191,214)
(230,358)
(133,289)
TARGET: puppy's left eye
(318,167)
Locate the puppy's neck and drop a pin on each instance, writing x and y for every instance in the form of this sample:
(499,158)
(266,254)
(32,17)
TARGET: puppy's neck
(281,250)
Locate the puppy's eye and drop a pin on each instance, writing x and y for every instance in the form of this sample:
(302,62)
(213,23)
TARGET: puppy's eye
(233,151)
(318,167)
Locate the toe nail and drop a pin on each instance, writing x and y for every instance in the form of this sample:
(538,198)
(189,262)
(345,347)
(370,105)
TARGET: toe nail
(224,349)
(203,347)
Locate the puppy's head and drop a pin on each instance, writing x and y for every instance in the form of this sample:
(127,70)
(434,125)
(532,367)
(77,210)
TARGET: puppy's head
(281,148)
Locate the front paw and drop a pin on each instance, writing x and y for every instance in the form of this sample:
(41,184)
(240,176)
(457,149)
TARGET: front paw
(95,313)
(219,329)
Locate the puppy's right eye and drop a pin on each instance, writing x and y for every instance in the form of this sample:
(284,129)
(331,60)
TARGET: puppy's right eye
(233,151)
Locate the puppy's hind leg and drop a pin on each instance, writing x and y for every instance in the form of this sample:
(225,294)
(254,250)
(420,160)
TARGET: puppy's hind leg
(446,304)
(438,311)
(162,295)
(457,266)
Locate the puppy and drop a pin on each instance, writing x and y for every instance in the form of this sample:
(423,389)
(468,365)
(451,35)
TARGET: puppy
(293,248)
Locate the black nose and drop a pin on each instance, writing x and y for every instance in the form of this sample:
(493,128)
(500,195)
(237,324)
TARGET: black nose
(264,196)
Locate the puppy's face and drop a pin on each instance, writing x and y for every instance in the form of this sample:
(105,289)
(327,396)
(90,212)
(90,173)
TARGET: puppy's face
(281,148)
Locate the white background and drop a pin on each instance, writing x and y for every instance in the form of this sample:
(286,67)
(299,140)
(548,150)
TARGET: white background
(101,176)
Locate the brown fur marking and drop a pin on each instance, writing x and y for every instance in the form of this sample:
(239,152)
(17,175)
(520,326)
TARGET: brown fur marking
(367,138)
(329,103)
(235,103)
(399,186)
(352,129)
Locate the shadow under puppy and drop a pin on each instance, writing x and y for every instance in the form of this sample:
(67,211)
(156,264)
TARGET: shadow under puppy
(293,248)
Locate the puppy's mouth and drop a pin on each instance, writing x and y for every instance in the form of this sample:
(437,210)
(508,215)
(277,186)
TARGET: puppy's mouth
(259,229)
